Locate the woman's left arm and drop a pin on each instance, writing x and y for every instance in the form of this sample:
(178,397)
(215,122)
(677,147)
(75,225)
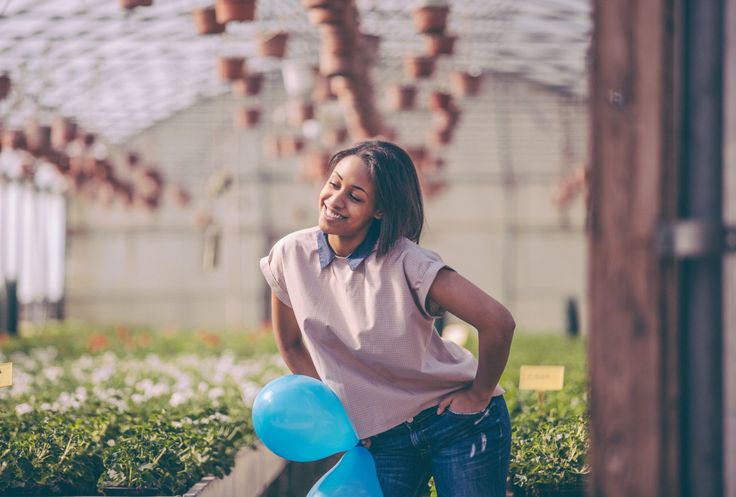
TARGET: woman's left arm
(495,327)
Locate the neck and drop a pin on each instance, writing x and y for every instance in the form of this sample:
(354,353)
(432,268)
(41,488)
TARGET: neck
(343,246)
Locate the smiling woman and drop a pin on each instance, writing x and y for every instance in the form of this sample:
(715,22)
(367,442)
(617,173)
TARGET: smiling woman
(354,303)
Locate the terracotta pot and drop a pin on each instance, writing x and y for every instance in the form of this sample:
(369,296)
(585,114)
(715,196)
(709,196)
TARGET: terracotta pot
(440,137)
(231,68)
(417,153)
(206,23)
(131,4)
(371,45)
(331,64)
(272,146)
(322,91)
(431,19)
(419,67)
(334,137)
(249,85)
(437,44)
(446,119)
(336,40)
(247,117)
(465,84)
(309,4)
(299,111)
(313,165)
(325,14)
(63,131)
(38,138)
(290,145)
(272,44)
(402,97)
(14,140)
(439,100)
(235,10)
(5,86)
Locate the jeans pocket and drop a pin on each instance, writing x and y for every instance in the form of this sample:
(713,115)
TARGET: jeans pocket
(489,406)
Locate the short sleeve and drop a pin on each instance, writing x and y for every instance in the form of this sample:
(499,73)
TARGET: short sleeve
(421,267)
(272,267)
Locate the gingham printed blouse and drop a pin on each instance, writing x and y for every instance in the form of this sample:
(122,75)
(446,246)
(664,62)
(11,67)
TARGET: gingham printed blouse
(364,322)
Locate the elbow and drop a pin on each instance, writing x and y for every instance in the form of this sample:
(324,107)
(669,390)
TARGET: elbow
(507,326)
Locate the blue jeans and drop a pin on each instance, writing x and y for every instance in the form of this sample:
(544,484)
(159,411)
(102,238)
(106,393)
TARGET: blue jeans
(468,454)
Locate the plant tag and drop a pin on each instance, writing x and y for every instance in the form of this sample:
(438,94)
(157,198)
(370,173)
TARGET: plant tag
(6,374)
(542,378)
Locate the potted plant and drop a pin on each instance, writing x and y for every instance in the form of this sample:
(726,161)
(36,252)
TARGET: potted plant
(465,84)
(235,10)
(431,16)
(231,68)
(439,44)
(247,117)
(5,85)
(418,66)
(272,44)
(205,21)
(248,85)
(401,97)
(440,100)
(63,131)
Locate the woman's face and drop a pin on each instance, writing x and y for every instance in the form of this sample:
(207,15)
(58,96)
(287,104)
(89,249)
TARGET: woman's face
(347,201)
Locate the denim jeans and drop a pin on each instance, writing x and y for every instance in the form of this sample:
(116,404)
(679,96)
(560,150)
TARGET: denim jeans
(468,454)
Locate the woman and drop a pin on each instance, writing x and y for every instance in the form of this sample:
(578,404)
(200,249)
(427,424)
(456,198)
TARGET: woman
(353,304)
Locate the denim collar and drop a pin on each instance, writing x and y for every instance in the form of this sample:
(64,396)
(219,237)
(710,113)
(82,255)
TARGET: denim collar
(326,255)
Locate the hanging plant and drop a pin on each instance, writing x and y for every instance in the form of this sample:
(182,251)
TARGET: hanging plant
(439,44)
(231,68)
(439,100)
(5,85)
(63,131)
(247,117)
(401,97)
(465,84)
(446,119)
(419,67)
(290,145)
(132,4)
(248,86)
(205,21)
(440,137)
(235,10)
(272,44)
(431,17)
(299,111)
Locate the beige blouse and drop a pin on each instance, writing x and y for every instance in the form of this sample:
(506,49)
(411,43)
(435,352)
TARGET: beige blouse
(366,327)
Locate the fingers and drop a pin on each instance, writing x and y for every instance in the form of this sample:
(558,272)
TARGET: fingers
(366,442)
(443,404)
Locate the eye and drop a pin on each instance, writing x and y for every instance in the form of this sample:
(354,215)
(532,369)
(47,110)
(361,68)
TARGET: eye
(357,199)
(334,185)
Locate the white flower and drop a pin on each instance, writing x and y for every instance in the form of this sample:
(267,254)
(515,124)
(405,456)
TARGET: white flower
(23,408)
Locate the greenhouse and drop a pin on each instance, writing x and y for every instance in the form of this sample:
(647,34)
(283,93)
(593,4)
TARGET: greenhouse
(366,248)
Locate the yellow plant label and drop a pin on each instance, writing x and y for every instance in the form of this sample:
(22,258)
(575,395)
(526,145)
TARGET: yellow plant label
(542,378)
(6,374)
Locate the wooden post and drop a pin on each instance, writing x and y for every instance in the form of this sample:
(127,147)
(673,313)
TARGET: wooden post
(632,346)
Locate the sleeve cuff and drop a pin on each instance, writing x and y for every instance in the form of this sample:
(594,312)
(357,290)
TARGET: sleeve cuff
(280,293)
(426,284)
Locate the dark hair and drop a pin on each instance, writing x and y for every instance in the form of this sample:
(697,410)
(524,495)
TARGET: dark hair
(398,195)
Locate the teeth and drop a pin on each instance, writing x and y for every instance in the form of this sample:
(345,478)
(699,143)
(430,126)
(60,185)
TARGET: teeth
(333,215)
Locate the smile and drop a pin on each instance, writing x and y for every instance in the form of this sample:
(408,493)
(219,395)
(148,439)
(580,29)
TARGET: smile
(332,215)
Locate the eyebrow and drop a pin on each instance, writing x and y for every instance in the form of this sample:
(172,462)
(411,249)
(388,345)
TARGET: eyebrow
(354,186)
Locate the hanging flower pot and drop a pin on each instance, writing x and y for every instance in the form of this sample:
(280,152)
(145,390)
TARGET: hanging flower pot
(331,64)
(431,18)
(14,140)
(272,146)
(446,119)
(332,138)
(465,84)
(272,44)
(290,145)
(439,44)
(248,86)
(336,40)
(5,85)
(235,10)
(299,111)
(370,45)
(63,131)
(440,137)
(131,4)
(322,91)
(326,14)
(439,100)
(206,23)
(401,97)
(310,4)
(418,67)
(417,153)
(38,138)
(247,117)
(231,68)
(313,165)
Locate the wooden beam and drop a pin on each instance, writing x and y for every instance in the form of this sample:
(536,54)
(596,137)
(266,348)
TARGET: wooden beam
(632,347)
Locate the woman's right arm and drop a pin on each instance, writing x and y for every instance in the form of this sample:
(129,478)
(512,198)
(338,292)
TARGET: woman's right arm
(289,339)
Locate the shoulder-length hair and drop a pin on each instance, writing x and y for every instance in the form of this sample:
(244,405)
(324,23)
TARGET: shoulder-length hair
(398,195)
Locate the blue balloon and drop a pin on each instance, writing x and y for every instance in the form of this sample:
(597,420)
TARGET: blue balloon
(353,476)
(299,418)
